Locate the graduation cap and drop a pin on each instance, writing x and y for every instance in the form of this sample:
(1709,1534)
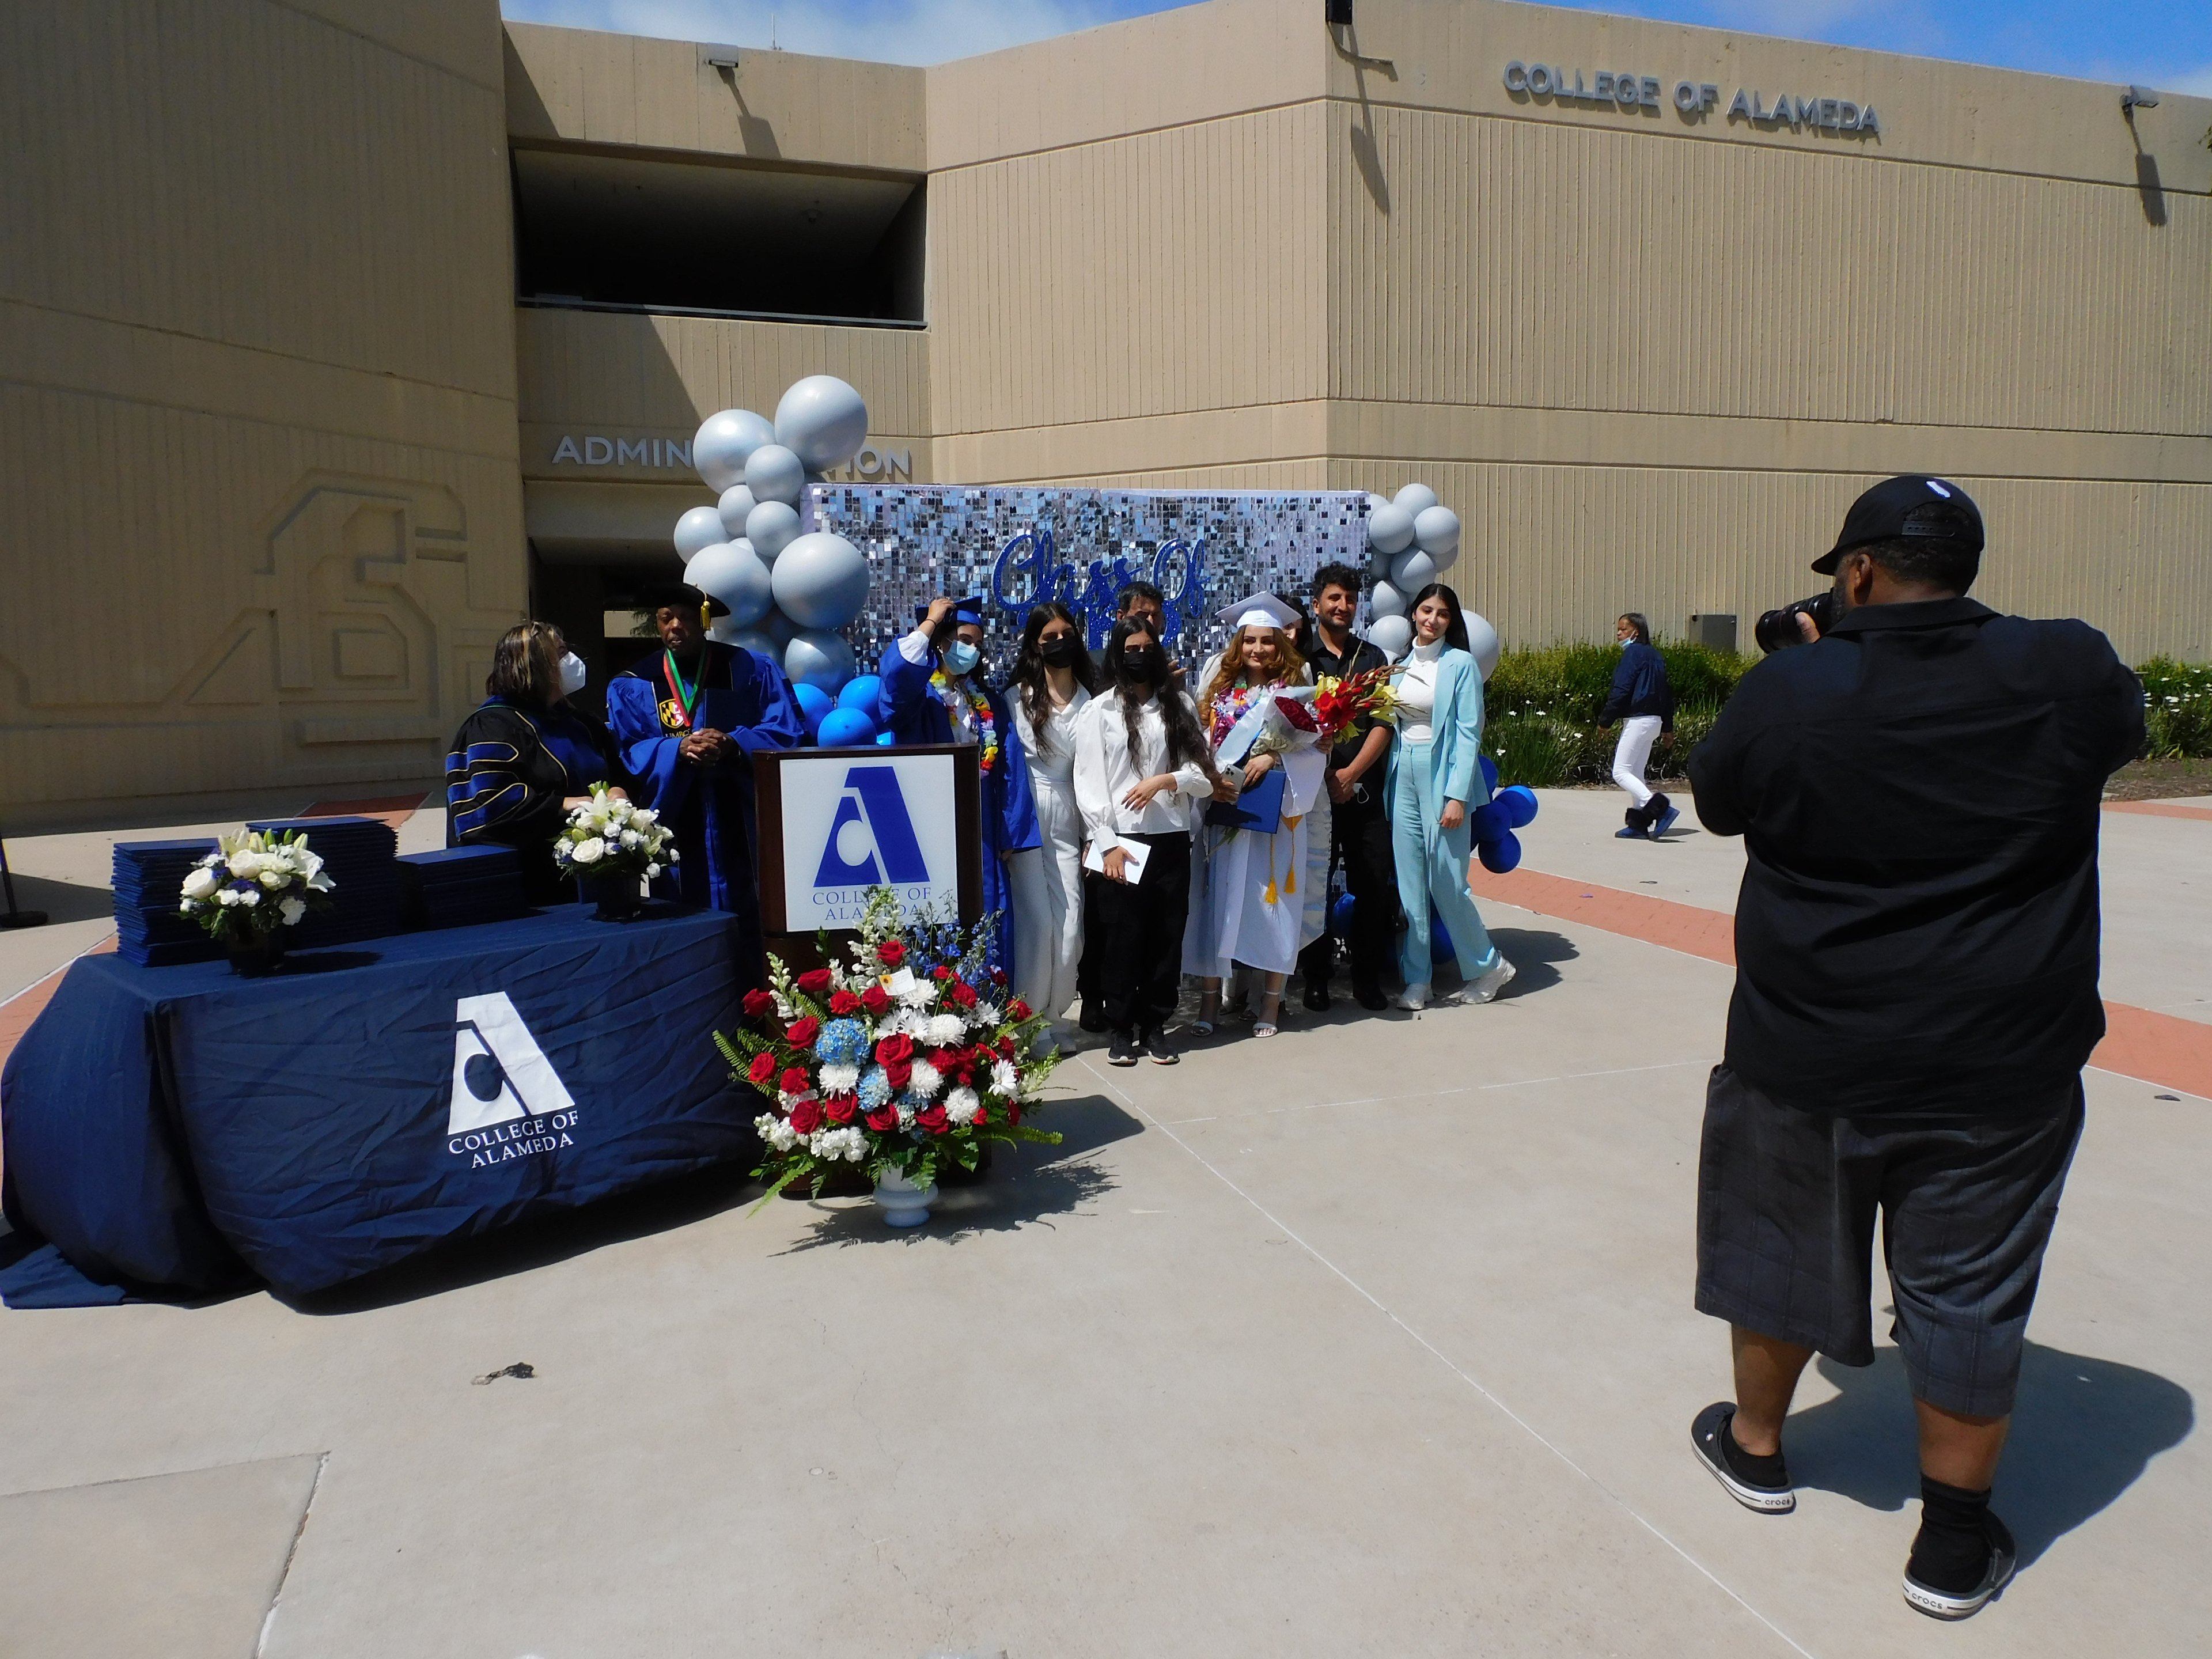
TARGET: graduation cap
(1259,610)
(969,610)
(682,596)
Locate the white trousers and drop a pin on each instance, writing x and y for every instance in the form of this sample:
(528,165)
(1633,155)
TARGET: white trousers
(1633,753)
(1047,886)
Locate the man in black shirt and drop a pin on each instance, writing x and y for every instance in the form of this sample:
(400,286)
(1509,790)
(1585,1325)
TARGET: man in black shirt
(1360,829)
(1916,952)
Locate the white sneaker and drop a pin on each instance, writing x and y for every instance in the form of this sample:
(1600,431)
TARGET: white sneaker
(1486,988)
(1412,1000)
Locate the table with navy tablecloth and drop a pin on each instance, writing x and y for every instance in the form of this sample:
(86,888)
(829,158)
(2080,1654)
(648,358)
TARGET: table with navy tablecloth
(182,1129)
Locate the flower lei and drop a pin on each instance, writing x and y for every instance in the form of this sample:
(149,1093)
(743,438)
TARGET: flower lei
(986,728)
(1230,707)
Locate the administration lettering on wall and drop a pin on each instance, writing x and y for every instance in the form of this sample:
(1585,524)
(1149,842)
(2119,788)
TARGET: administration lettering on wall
(597,449)
(1694,100)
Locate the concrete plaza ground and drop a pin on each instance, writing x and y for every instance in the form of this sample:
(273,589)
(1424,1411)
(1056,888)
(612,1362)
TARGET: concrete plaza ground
(1374,1338)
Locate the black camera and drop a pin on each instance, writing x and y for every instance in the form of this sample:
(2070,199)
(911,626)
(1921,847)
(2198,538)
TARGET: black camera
(1777,628)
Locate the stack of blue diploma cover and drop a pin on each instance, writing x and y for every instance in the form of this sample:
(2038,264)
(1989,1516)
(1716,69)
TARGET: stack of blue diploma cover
(148,930)
(362,858)
(461,886)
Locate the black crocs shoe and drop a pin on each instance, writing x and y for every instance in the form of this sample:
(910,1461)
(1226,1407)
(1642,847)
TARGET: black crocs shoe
(2004,1556)
(1711,1439)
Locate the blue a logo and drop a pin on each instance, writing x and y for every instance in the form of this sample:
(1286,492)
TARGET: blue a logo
(872,841)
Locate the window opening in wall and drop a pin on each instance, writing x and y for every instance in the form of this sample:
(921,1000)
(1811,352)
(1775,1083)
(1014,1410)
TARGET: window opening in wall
(629,233)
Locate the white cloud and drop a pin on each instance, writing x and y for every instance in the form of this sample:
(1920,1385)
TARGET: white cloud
(886,30)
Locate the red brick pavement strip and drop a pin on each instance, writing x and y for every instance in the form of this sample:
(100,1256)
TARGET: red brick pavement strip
(2159,809)
(2160,1049)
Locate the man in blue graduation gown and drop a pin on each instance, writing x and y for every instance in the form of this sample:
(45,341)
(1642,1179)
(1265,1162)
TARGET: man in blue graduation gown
(934,692)
(687,720)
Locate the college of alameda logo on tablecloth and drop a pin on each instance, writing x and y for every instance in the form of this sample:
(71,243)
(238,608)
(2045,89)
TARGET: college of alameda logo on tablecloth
(507,1102)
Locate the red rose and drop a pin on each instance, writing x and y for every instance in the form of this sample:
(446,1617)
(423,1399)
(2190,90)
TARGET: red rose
(940,973)
(762,1069)
(932,1118)
(801,1033)
(841,1107)
(875,999)
(793,1081)
(982,1116)
(962,996)
(807,1117)
(1017,1010)
(896,1047)
(843,1002)
(883,1119)
(815,982)
(998,976)
(758,1003)
(899,1072)
(890,953)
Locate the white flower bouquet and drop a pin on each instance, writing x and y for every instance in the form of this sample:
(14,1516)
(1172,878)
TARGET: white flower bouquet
(252,884)
(608,836)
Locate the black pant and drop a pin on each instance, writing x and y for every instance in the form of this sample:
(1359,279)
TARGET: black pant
(1360,833)
(1140,935)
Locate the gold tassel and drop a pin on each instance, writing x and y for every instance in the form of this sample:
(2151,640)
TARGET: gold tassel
(1270,895)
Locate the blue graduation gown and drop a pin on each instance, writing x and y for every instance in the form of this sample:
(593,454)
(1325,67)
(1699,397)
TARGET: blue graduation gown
(914,715)
(711,811)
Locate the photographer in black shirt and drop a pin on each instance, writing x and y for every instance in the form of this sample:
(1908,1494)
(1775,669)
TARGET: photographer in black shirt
(1916,951)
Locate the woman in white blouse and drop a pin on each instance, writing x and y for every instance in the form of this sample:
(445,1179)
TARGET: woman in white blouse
(1048,692)
(1141,762)
(1436,779)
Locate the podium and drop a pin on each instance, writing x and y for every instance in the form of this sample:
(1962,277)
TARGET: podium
(836,823)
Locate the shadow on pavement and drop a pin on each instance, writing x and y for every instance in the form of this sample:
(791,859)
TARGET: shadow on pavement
(2084,1430)
(63,900)
(1533,952)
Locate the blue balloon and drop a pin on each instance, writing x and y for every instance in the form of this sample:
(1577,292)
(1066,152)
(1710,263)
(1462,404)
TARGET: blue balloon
(845,728)
(886,739)
(1503,854)
(1519,802)
(813,703)
(1489,775)
(1340,914)
(860,692)
(1487,823)
(1440,944)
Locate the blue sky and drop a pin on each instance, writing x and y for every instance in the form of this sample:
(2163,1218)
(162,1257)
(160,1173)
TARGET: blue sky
(2162,43)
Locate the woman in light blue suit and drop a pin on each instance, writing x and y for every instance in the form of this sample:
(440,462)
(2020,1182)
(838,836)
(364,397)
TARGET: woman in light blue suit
(1435,781)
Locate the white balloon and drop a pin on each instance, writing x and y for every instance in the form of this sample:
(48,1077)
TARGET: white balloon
(1378,564)
(769,527)
(1391,636)
(733,574)
(758,641)
(1412,571)
(1482,641)
(775,474)
(817,656)
(737,501)
(1382,601)
(724,443)
(820,580)
(701,527)
(1435,530)
(778,628)
(1376,503)
(821,421)
(1414,499)
(1389,529)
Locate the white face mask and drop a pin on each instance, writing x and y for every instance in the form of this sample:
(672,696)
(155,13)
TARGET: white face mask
(572,674)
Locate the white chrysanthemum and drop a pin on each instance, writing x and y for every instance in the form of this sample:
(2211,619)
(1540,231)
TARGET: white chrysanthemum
(960,1105)
(926,1081)
(920,994)
(987,1013)
(1004,1081)
(840,1080)
(943,1030)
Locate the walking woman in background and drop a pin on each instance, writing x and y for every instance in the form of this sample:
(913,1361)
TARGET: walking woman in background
(1436,779)
(1050,687)
(1643,703)
(1246,904)
(1141,762)
(524,758)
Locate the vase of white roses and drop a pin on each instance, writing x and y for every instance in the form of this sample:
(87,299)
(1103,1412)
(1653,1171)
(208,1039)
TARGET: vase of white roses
(614,846)
(249,889)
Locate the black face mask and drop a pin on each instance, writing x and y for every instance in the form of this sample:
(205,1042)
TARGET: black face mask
(1060,652)
(1143,665)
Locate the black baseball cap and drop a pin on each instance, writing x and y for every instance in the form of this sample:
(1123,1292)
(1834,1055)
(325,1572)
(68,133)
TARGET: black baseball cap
(1915,505)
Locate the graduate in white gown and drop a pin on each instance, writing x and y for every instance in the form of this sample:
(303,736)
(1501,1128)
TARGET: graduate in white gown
(1050,686)
(1248,904)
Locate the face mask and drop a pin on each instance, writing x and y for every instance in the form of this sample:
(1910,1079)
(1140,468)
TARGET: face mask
(1142,665)
(960,657)
(1060,652)
(572,674)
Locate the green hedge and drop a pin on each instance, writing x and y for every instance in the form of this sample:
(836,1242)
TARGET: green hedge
(1541,708)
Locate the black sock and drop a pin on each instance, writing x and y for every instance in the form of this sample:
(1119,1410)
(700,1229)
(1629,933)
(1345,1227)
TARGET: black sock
(1952,1550)
(1769,1472)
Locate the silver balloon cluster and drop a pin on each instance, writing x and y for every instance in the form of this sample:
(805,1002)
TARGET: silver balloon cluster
(790,591)
(1413,540)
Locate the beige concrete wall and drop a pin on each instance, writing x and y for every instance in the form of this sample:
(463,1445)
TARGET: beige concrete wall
(259,505)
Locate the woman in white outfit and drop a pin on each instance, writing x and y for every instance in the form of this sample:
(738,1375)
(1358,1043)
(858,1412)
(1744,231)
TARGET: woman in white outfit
(1049,687)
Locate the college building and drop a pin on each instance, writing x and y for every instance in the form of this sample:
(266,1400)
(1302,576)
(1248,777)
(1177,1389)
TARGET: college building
(337,334)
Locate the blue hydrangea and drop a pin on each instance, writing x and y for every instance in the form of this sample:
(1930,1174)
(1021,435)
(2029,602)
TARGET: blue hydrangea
(875,1088)
(843,1042)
